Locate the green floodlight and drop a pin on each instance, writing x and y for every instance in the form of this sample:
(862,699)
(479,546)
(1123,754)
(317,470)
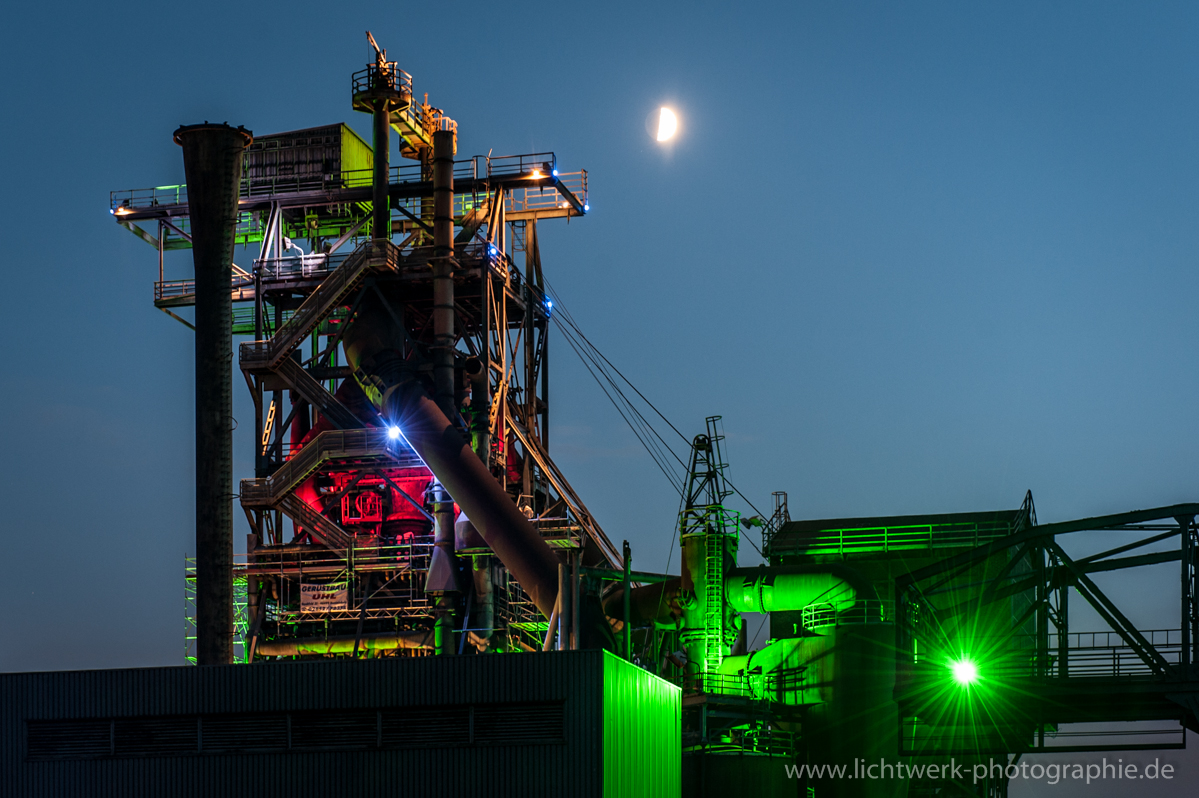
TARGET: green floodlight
(964,671)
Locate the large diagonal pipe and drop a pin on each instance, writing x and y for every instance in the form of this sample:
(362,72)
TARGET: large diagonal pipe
(212,162)
(449,456)
(507,532)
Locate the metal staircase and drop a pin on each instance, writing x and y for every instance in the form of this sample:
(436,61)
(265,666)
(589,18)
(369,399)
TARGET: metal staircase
(316,394)
(374,255)
(350,441)
(329,533)
(361,444)
(274,356)
(275,491)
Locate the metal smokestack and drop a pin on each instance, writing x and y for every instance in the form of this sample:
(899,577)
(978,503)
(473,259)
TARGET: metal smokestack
(212,162)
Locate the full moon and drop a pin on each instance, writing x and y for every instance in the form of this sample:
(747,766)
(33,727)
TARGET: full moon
(668,123)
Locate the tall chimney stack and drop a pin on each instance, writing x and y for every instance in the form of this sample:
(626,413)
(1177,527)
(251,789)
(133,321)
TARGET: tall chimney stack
(212,162)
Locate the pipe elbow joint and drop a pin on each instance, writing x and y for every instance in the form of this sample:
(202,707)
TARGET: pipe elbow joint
(789,588)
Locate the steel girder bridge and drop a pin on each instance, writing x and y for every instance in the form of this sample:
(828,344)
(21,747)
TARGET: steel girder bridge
(987,663)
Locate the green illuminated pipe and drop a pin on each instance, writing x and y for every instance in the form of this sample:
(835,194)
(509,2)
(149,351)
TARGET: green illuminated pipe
(344,644)
(793,587)
(761,589)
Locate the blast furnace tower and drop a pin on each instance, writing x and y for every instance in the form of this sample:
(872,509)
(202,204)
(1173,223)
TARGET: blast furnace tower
(403,501)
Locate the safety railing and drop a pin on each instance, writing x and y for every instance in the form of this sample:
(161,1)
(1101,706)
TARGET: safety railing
(366,554)
(243,320)
(713,519)
(784,686)
(546,198)
(860,612)
(389,77)
(888,539)
(288,267)
(174,289)
(1107,654)
(147,197)
(534,166)
(329,445)
(470,252)
(762,741)
(1088,654)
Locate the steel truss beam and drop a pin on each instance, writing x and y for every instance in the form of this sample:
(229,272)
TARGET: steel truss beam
(1036,565)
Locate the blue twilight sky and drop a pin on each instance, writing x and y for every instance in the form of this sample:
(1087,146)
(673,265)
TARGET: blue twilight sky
(920,256)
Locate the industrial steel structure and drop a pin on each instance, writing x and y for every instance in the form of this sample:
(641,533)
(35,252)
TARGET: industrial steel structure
(405,503)
(362,345)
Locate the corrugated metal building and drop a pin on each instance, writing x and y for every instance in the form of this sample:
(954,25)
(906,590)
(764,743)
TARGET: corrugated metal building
(583,723)
(313,158)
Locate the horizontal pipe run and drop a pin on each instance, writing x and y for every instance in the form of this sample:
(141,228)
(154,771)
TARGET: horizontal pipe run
(793,587)
(344,644)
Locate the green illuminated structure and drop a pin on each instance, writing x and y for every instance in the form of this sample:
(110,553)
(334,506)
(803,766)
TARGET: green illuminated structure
(708,539)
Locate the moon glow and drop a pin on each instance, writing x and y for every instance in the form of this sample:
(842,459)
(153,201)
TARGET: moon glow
(668,123)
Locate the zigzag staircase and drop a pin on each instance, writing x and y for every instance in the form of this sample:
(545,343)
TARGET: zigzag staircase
(374,255)
(317,395)
(274,356)
(349,441)
(276,491)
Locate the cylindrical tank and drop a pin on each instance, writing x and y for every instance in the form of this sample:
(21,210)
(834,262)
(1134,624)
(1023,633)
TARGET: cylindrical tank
(852,669)
(710,624)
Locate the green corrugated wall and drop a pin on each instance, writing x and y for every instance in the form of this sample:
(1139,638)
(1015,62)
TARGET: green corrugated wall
(642,735)
(356,157)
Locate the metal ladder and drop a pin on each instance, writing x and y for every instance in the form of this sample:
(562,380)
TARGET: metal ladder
(713,603)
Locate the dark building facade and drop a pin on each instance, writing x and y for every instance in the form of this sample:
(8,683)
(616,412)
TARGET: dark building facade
(582,723)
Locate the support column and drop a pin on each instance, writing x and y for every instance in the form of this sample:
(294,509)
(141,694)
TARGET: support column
(380,209)
(212,162)
(443,280)
(564,607)
(1063,628)
(1188,597)
(625,602)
